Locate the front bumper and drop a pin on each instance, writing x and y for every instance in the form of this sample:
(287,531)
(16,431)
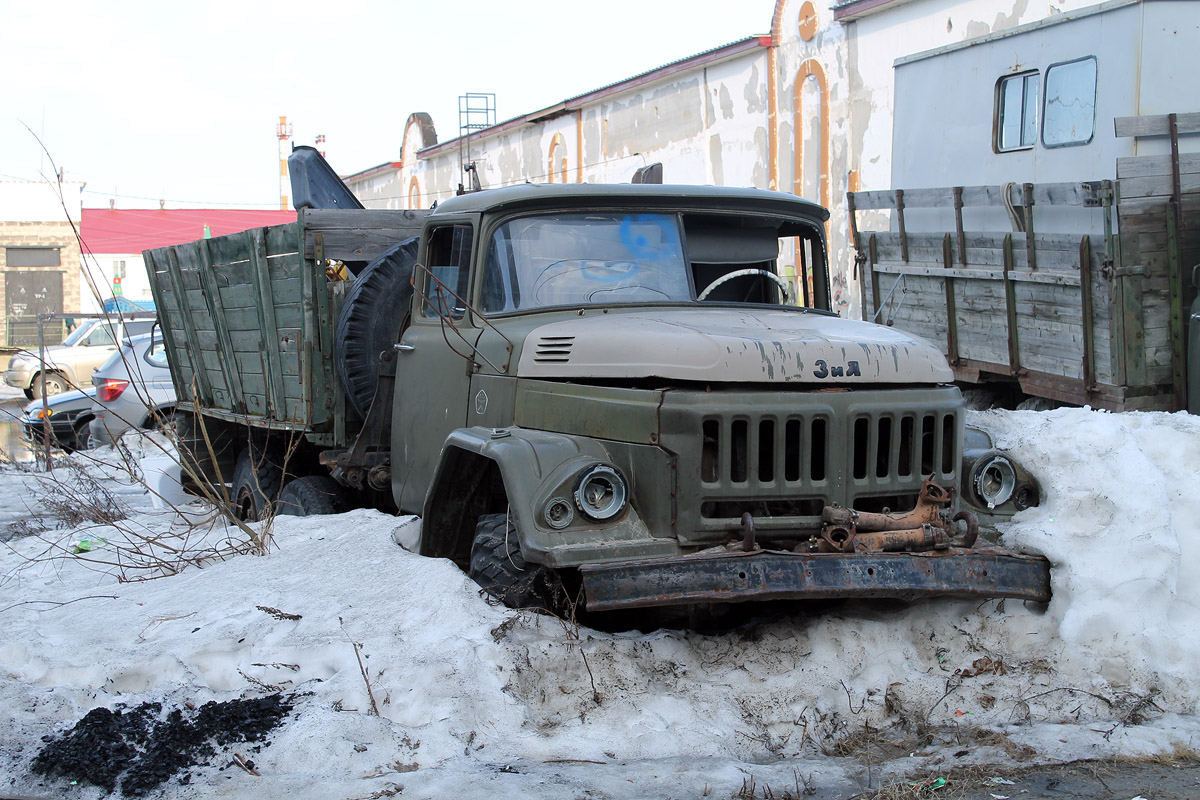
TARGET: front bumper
(19,376)
(730,577)
(61,432)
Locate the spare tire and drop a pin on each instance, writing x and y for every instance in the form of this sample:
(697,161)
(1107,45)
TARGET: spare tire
(371,321)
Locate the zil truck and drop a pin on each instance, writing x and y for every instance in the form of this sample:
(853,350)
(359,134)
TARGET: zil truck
(617,394)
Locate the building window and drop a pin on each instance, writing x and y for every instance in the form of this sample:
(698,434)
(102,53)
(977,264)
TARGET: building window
(1016,112)
(118,269)
(33,256)
(1069,113)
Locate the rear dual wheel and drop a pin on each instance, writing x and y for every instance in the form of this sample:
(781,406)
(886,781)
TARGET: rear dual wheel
(311,496)
(256,484)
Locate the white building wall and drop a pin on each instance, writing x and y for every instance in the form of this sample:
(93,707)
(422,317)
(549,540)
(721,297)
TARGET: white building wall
(101,270)
(825,90)
(29,201)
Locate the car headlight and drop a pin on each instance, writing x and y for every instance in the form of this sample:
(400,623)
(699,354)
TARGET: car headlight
(601,493)
(994,481)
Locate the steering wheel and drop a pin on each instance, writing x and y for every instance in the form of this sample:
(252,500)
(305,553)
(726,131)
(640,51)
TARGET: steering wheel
(728,276)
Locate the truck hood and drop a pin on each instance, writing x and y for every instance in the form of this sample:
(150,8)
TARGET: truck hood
(730,345)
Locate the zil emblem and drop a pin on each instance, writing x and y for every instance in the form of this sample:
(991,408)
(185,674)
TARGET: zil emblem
(823,370)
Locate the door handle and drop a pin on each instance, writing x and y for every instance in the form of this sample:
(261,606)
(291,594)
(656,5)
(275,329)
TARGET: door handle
(403,348)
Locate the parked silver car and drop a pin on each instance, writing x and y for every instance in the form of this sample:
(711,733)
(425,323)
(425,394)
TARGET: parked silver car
(69,414)
(70,364)
(133,390)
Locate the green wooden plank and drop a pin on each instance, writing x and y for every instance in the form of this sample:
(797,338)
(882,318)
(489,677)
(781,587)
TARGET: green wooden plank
(203,389)
(285,267)
(213,298)
(241,295)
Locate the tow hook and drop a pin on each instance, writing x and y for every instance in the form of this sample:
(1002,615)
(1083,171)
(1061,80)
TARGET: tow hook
(748,533)
(928,526)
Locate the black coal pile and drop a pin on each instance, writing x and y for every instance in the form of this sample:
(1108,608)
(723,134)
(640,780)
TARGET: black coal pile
(141,748)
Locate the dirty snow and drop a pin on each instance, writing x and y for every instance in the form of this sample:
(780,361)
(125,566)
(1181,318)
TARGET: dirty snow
(473,700)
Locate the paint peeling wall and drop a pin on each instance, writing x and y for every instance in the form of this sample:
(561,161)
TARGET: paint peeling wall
(707,126)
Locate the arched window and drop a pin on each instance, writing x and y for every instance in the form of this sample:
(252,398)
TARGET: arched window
(556,165)
(810,131)
(414,193)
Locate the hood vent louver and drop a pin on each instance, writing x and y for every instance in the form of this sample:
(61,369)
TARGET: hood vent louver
(554,349)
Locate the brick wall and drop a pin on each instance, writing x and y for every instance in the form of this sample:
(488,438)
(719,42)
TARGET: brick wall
(40,234)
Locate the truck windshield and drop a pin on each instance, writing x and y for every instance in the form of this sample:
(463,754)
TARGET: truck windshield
(585,259)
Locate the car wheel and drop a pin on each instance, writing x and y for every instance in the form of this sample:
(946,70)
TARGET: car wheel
(55,384)
(311,496)
(28,393)
(256,482)
(83,434)
(498,566)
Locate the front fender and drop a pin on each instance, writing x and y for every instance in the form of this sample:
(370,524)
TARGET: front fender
(530,467)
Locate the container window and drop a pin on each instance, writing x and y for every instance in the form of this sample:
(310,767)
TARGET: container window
(1069,113)
(1016,112)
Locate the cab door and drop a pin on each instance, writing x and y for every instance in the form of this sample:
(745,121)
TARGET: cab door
(434,360)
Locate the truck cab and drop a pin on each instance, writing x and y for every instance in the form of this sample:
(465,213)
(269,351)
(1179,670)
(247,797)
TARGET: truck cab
(645,372)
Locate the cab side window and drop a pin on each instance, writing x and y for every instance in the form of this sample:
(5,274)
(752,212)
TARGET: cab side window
(449,262)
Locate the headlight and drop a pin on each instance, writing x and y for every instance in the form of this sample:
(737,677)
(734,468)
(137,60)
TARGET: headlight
(558,513)
(994,481)
(600,493)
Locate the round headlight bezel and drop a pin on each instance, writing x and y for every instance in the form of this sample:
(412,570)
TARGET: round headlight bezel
(558,513)
(995,481)
(601,492)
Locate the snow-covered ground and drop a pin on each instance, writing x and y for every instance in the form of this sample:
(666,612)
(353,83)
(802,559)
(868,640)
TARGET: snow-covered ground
(405,680)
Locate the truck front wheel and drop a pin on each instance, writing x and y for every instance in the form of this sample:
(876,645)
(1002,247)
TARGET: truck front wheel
(498,566)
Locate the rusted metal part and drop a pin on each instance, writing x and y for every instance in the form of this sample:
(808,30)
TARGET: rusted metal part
(748,544)
(731,577)
(927,527)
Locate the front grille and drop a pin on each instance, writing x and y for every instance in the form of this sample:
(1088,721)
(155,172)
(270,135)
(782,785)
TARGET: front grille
(784,456)
(896,445)
(764,450)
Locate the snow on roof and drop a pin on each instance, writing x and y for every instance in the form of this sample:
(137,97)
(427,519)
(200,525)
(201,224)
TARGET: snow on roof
(123,231)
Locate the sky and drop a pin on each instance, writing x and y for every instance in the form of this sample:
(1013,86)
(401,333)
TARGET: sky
(149,101)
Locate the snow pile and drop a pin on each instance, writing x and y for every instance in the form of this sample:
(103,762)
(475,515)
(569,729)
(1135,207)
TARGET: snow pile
(402,676)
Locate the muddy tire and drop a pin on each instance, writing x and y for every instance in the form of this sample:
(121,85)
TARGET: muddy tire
(498,566)
(311,496)
(371,321)
(256,484)
(55,384)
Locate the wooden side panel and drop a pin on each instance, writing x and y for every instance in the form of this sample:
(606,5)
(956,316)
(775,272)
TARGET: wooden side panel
(1160,242)
(234,311)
